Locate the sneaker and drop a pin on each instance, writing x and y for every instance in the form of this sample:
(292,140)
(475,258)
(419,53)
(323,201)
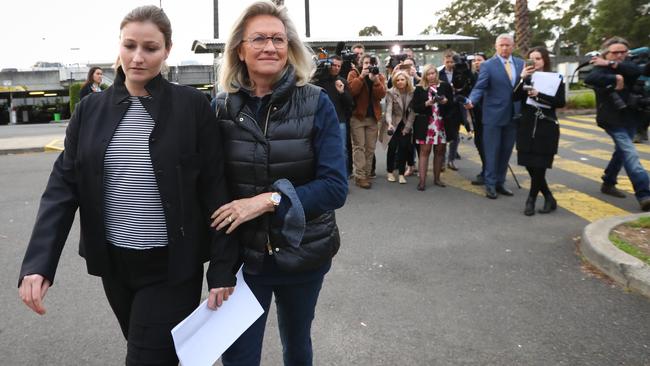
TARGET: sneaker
(478,181)
(391,177)
(645,204)
(402,180)
(362,182)
(611,190)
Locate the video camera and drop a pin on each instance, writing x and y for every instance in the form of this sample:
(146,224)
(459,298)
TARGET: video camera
(463,73)
(323,65)
(396,60)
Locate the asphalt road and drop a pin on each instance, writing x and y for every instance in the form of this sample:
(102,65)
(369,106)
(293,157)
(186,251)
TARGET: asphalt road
(441,277)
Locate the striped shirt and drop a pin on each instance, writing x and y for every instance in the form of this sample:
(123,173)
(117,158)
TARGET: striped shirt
(134,216)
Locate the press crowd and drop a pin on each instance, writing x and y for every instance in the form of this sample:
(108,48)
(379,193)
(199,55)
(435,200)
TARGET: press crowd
(413,110)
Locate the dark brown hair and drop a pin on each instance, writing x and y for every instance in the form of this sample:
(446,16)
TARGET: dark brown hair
(545,56)
(153,14)
(89,77)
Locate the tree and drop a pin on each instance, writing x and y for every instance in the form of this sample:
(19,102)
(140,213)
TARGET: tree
(482,19)
(629,19)
(370,31)
(522,26)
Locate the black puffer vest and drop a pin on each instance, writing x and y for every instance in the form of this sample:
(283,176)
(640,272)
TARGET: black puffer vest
(258,154)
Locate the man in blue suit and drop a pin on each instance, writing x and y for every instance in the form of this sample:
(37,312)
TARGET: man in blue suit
(495,83)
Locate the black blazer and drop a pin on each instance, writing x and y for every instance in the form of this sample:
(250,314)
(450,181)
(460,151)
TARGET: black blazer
(187,158)
(420,96)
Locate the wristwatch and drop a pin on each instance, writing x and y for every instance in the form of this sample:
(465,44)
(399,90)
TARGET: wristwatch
(275,199)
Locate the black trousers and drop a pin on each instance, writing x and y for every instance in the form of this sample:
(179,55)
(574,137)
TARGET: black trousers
(399,146)
(146,305)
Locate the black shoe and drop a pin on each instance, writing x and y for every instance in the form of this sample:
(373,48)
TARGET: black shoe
(504,191)
(479,181)
(421,187)
(550,204)
(490,193)
(611,190)
(645,204)
(452,166)
(530,206)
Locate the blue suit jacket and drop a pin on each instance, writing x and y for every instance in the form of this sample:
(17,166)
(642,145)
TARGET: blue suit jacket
(494,87)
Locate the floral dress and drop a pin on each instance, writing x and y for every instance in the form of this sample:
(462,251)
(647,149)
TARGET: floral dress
(436,129)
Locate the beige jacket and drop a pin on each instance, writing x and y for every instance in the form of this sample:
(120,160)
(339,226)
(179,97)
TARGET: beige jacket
(397,109)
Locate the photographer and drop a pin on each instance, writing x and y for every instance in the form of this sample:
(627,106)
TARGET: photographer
(368,88)
(477,122)
(327,77)
(455,73)
(613,78)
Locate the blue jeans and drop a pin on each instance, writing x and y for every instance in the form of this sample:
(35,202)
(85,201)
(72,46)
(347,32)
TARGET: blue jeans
(625,155)
(296,304)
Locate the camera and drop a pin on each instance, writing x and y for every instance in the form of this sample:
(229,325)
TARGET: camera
(390,132)
(373,68)
(462,72)
(437,97)
(323,65)
(396,60)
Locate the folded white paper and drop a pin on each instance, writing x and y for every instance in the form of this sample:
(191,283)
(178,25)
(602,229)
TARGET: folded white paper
(545,83)
(202,337)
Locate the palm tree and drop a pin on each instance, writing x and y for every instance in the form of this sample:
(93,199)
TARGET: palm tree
(522,27)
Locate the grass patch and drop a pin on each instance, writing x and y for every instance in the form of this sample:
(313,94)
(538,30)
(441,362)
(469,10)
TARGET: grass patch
(581,101)
(643,223)
(629,248)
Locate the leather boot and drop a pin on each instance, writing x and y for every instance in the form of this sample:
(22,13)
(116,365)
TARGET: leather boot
(550,204)
(530,206)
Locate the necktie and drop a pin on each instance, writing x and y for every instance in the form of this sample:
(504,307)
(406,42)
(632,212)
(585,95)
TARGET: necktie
(509,70)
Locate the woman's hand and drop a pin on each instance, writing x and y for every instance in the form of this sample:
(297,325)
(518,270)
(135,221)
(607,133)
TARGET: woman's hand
(533,93)
(32,291)
(218,295)
(527,71)
(240,211)
(443,101)
(428,103)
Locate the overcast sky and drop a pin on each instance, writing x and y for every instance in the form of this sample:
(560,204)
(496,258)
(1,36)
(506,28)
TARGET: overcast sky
(82,31)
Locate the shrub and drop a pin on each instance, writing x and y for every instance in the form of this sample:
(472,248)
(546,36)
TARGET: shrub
(75,88)
(581,101)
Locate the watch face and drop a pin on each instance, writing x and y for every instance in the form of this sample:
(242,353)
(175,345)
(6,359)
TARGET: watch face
(276,197)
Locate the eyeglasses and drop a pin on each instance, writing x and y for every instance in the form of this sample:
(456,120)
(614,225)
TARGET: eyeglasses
(618,52)
(258,41)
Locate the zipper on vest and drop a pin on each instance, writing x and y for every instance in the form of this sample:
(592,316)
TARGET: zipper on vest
(268,115)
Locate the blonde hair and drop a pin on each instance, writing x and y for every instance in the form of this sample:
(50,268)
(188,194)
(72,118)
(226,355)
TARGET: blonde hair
(409,80)
(424,82)
(232,71)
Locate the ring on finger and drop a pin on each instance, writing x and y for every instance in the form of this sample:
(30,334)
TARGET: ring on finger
(229,219)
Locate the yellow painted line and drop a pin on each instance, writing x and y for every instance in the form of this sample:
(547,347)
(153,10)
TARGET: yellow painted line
(584,205)
(642,148)
(590,172)
(576,202)
(585,117)
(591,127)
(55,145)
(607,155)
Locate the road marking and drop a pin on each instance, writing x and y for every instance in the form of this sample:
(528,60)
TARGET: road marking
(580,204)
(566,122)
(604,140)
(55,145)
(606,155)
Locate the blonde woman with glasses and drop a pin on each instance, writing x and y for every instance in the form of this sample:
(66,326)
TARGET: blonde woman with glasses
(285,162)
